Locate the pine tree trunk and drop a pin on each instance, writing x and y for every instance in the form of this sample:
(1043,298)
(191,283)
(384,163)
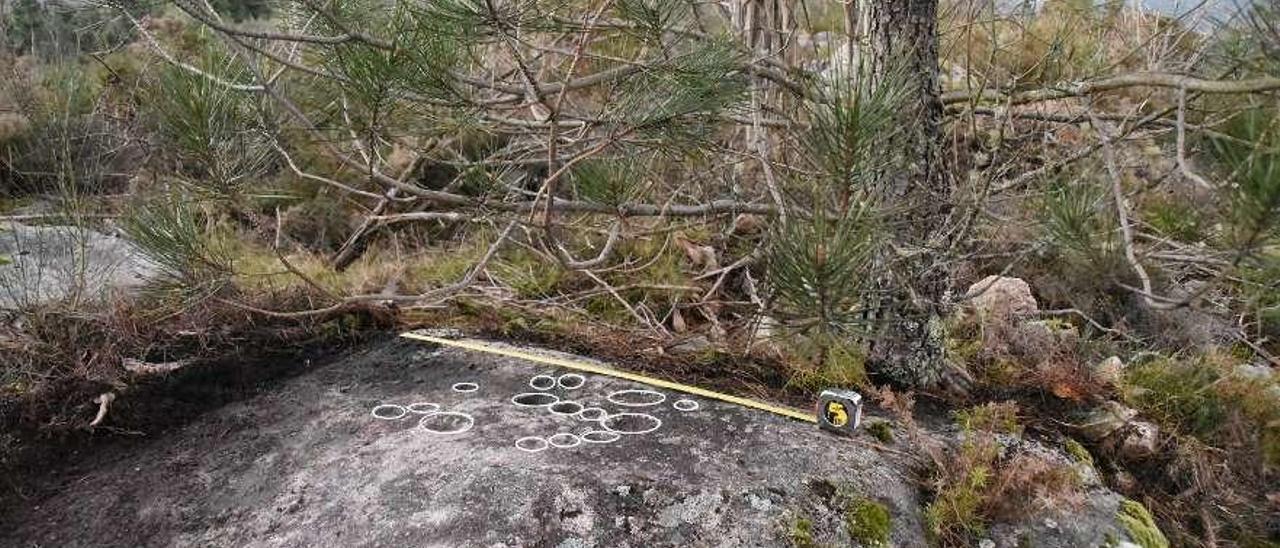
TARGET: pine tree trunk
(902,35)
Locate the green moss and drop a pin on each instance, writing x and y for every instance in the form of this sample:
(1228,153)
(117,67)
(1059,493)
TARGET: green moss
(994,417)
(824,363)
(1179,394)
(1138,522)
(880,430)
(1078,452)
(528,275)
(802,533)
(955,513)
(868,522)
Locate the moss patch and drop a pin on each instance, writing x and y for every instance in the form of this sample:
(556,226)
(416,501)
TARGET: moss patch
(1138,522)
(868,522)
(1078,452)
(802,533)
(880,430)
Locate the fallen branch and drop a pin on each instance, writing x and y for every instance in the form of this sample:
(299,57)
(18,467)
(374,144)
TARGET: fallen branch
(104,402)
(1138,79)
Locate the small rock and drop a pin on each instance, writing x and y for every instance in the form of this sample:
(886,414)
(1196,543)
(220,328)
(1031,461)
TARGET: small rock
(747,223)
(1105,420)
(691,345)
(1002,296)
(622,490)
(1124,481)
(986,543)
(1254,372)
(759,503)
(1141,440)
(1110,371)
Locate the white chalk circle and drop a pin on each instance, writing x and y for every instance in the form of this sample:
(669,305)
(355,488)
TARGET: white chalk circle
(685,405)
(423,408)
(593,414)
(465,387)
(564,440)
(631,423)
(600,436)
(636,397)
(571,381)
(534,399)
(447,422)
(542,382)
(389,412)
(531,444)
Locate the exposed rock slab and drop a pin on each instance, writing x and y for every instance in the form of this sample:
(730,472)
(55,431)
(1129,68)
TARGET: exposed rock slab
(307,465)
(49,263)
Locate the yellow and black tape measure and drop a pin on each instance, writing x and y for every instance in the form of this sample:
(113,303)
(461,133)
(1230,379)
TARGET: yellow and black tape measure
(838,410)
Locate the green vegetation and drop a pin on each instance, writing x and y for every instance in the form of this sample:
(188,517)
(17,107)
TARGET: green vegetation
(667,174)
(802,533)
(881,430)
(990,417)
(1140,525)
(1180,394)
(869,522)
(1078,452)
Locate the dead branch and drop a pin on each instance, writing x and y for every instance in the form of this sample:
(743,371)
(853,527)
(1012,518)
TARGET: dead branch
(1137,79)
(104,403)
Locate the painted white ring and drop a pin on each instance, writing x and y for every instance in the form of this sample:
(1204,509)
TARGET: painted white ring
(686,405)
(552,408)
(392,407)
(465,387)
(555,400)
(542,386)
(535,449)
(580,381)
(603,414)
(657,423)
(661,397)
(576,441)
(613,436)
(417,407)
(471,421)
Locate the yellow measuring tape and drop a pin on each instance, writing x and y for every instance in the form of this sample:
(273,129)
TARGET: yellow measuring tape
(600,370)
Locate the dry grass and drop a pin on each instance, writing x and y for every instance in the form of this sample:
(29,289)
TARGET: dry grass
(976,483)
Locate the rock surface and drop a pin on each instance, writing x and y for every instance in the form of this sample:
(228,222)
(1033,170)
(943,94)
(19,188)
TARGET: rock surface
(305,464)
(48,263)
(1002,296)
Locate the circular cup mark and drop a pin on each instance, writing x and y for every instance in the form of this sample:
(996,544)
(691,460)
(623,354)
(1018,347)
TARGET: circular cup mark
(423,408)
(534,399)
(542,382)
(566,408)
(447,422)
(564,440)
(531,444)
(631,423)
(389,412)
(593,414)
(636,397)
(600,436)
(465,387)
(686,405)
(571,381)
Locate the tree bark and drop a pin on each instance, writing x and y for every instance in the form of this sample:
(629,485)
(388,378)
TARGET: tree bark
(900,37)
